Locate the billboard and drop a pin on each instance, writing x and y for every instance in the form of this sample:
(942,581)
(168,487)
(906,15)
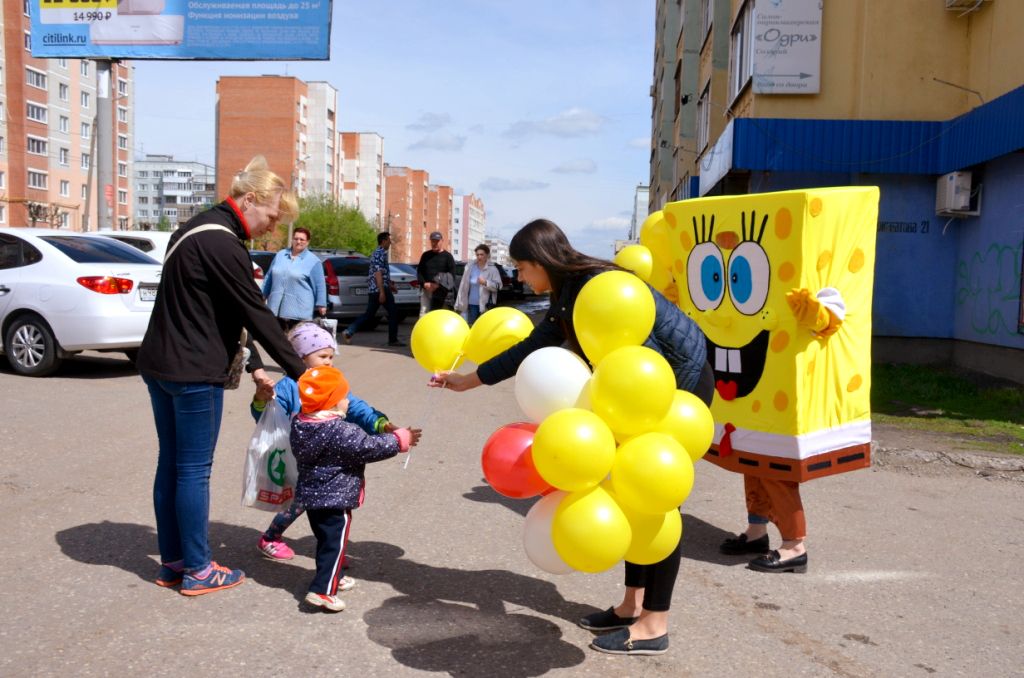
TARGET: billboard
(181,29)
(787,47)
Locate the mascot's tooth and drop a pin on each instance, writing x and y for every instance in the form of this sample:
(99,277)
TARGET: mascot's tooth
(734,361)
(721,357)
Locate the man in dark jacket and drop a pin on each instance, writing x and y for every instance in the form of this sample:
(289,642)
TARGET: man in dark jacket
(436,273)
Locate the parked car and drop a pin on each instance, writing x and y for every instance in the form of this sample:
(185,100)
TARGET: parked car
(510,288)
(346,288)
(261,261)
(63,292)
(153,243)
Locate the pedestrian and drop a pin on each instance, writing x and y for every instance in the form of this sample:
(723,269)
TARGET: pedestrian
(317,348)
(380,291)
(206,297)
(436,273)
(478,289)
(548,263)
(331,454)
(294,286)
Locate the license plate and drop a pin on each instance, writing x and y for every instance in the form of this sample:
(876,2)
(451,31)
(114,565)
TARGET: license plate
(359,290)
(403,286)
(147,292)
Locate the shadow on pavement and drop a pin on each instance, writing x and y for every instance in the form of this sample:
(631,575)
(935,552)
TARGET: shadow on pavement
(485,494)
(701,541)
(465,622)
(86,367)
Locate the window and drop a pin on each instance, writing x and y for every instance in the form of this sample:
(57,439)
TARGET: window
(86,129)
(28,41)
(62,220)
(85,192)
(122,223)
(85,100)
(122,197)
(122,114)
(65,123)
(34,78)
(36,146)
(3,214)
(63,92)
(122,87)
(122,169)
(122,142)
(143,200)
(83,67)
(707,14)
(65,188)
(86,161)
(36,179)
(143,213)
(64,156)
(2,145)
(35,112)
(741,50)
(62,62)
(3,180)
(143,174)
(703,118)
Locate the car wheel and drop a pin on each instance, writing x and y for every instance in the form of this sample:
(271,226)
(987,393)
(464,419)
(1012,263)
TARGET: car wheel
(132,354)
(31,348)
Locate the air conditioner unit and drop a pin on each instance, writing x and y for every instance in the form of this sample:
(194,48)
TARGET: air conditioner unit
(954,195)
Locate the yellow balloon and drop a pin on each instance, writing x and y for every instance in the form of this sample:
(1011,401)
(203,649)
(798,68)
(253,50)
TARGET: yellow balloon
(652,473)
(590,532)
(614,309)
(437,340)
(654,235)
(632,390)
(573,449)
(494,331)
(689,421)
(654,537)
(636,258)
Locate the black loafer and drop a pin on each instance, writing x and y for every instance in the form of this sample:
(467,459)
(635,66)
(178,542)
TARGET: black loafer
(396,343)
(740,546)
(619,643)
(772,563)
(605,621)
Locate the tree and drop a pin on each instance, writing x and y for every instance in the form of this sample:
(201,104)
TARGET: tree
(50,215)
(334,226)
(164,224)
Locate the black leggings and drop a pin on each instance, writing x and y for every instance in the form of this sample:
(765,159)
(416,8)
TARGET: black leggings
(659,580)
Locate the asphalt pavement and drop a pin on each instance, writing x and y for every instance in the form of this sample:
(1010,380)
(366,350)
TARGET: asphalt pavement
(911,574)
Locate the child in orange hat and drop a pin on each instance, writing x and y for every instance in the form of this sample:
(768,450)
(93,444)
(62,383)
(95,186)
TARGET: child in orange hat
(331,455)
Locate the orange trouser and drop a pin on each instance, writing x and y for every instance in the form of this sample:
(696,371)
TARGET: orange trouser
(779,501)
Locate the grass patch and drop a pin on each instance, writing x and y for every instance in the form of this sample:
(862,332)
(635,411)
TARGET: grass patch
(944,400)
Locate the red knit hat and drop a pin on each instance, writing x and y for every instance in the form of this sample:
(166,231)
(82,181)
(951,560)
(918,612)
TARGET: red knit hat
(321,388)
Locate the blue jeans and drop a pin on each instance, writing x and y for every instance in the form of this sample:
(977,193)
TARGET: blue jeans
(472,312)
(372,304)
(187,419)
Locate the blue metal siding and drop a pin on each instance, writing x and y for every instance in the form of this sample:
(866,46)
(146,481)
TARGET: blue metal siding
(881,146)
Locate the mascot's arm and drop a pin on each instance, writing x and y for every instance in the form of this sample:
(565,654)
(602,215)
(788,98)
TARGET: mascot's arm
(822,313)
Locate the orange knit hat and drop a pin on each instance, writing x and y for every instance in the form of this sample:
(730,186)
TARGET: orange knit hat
(321,388)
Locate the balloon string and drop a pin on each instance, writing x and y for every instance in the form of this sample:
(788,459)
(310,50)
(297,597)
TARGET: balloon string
(430,402)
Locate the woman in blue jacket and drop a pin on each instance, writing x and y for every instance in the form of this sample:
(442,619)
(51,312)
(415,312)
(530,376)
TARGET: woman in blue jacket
(294,286)
(548,263)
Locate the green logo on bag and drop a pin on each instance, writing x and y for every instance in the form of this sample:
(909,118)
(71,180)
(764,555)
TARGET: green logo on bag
(276,467)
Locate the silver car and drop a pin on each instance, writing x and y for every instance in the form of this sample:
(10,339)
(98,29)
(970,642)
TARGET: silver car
(63,292)
(346,277)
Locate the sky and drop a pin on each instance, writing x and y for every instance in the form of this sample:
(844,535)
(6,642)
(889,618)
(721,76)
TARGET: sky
(540,108)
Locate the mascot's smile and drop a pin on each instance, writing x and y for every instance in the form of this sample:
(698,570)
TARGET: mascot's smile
(737,370)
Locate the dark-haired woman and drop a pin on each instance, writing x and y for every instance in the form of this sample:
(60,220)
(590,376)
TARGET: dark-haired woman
(549,263)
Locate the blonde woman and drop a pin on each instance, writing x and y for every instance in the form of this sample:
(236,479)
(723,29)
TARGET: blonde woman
(206,296)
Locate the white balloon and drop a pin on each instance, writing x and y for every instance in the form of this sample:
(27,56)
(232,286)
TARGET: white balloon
(551,379)
(537,535)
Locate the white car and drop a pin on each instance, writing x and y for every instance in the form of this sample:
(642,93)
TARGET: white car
(63,292)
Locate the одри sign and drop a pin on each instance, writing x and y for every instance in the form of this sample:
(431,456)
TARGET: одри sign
(787,47)
(181,29)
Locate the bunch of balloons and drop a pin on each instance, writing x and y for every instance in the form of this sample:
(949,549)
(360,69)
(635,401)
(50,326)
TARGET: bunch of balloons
(612,450)
(442,339)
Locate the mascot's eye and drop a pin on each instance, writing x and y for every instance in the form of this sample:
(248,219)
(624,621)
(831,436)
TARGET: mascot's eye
(705,276)
(749,274)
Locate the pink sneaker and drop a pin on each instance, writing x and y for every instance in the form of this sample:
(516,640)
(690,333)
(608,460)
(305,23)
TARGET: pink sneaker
(275,550)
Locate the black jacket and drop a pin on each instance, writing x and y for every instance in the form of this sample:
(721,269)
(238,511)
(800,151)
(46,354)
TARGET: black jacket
(674,335)
(434,263)
(207,293)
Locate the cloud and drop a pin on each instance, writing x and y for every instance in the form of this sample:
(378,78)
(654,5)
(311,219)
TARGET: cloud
(500,184)
(574,122)
(607,224)
(584,166)
(430,122)
(441,141)
(640,142)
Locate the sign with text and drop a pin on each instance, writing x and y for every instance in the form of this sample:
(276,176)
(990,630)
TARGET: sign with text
(787,47)
(182,29)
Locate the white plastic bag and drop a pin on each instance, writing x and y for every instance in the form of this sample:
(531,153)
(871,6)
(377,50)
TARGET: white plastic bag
(270,470)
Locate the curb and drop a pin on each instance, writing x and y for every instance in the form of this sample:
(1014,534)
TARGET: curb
(983,464)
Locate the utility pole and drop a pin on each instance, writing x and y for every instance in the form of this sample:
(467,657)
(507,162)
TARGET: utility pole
(104,145)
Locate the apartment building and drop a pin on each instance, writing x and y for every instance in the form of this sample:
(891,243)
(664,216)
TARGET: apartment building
(362,174)
(321,160)
(923,99)
(469,225)
(415,208)
(169,192)
(267,115)
(48,111)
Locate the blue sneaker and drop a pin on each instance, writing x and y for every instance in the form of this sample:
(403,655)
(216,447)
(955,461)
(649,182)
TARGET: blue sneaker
(168,577)
(218,578)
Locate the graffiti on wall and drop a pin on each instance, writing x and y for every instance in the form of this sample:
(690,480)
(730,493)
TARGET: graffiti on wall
(990,287)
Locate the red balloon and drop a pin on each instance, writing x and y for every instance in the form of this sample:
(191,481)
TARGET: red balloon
(508,464)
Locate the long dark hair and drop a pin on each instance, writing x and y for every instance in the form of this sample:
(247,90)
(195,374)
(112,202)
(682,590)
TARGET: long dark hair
(543,243)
